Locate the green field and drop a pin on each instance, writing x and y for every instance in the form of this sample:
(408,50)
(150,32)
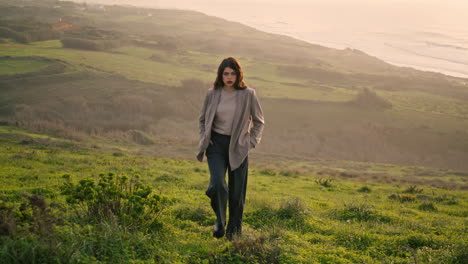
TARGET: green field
(15,66)
(296,214)
(360,161)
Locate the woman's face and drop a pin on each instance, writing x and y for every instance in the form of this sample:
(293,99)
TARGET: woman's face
(229,76)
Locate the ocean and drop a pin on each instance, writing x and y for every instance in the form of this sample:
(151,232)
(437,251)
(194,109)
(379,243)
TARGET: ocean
(430,35)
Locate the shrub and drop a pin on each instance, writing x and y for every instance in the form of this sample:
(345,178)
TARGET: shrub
(361,213)
(418,241)
(251,248)
(370,99)
(257,249)
(325,182)
(31,216)
(427,206)
(413,189)
(118,154)
(460,254)
(291,215)
(9,33)
(126,199)
(403,197)
(140,137)
(268,172)
(7,219)
(76,43)
(364,189)
(448,200)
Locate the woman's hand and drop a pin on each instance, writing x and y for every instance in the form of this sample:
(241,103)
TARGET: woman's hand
(200,156)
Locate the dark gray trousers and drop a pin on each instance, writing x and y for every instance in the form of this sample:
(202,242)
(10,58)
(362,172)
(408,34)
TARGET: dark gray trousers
(217,154)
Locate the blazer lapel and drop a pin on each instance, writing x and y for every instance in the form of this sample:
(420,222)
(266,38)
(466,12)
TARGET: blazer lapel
(240,105)
(213,106)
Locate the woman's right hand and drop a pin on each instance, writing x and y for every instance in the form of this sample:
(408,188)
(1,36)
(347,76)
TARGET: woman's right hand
(200,156)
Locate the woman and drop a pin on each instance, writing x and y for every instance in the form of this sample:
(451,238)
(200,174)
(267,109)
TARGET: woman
(231,123)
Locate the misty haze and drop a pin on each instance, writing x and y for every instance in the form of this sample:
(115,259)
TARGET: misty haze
(363,158)
(428,35)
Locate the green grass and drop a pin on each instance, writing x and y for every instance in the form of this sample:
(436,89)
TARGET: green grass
(135,68)
(289,217)
(176,67)
(428,103)
(17,66)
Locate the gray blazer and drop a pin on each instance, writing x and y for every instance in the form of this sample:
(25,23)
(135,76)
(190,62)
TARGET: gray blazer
(247,125)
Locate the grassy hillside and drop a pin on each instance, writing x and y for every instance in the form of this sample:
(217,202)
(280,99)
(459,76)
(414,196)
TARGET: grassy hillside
(298,212)
(125,71)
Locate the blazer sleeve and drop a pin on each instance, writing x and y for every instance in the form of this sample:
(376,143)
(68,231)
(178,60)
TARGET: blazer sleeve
(201,118)
(258,121)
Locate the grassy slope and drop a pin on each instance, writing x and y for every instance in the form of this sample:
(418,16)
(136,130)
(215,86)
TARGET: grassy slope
(14,66)
(289,217)
(309,73)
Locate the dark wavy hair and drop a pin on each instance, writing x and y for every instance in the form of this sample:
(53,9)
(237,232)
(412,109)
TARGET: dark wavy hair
(235,65)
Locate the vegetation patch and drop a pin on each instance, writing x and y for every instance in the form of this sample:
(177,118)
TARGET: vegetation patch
(115,197)
(364,189)
(403,198)
(201,215)
(413,189)
(290,215)
(360,213)
(25,31)
(427,206)
(169,179)
(9,65)
(325,182)
(355,240)
(369,99)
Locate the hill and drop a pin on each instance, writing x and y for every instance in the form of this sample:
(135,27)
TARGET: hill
(116,70)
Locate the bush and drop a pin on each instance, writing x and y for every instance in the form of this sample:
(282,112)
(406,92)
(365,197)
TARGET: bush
(418,241)
(31,216)
(18,36)
(361,213)
(140,137)
(325,182)
(403,198)
(126,199)
(268,172)
(370,99)
(427,206)
(413,189)
(364,189)
(43,34)
(252,248)
(257,249)
(291,215)
(76,43)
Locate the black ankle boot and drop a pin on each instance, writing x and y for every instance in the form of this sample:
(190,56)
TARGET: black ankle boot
(218,230)
(233,232)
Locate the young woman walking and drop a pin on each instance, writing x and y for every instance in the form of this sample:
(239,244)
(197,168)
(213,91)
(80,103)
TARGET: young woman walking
(231,123)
